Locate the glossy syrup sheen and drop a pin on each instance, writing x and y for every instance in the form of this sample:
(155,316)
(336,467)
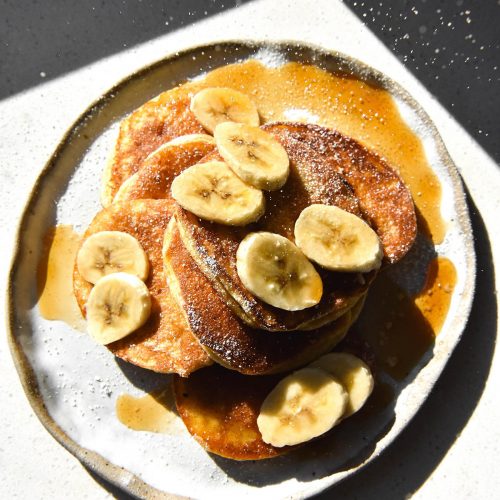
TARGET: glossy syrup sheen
(55,277)
(304,93)
(400,327)
(152,412)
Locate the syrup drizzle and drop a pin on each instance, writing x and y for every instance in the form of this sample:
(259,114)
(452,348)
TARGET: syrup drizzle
(296,92)
(153,412)
(55,277)
(401,327)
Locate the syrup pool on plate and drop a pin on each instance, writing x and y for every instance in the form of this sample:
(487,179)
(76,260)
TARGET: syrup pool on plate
(55,277)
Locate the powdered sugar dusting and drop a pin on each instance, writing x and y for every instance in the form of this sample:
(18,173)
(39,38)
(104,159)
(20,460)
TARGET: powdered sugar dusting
(270,57)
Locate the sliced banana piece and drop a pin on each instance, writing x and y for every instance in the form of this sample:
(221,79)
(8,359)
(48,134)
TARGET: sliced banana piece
(216,105)
(256,156)
(352,373)
(109,252)
(304,405)
(212,191)
(337,240)
(277,272)
(118,305)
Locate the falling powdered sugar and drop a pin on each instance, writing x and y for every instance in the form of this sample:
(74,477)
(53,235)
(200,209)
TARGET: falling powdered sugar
(270,57)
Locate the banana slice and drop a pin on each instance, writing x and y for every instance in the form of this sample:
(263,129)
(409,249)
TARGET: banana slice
(256,156)
(216,105)
(109,252)
(352,373)
(118,305)
(337,240)
(304,405)
(212,191)
(277,272)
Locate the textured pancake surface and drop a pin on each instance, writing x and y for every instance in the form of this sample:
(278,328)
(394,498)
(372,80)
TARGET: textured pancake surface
(220,408)
(313,179)
(165,342)
(154,179)
(156,122)
(228,340)
(384,200)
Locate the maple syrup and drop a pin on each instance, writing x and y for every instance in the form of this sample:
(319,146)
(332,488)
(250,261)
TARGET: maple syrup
(400,327)
(367,113)
(55,277)
(153,412)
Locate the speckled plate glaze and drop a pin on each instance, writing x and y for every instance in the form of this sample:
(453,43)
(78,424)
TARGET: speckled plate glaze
(72,384)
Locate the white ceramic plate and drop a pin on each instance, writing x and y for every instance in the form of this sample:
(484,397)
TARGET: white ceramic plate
(72,383)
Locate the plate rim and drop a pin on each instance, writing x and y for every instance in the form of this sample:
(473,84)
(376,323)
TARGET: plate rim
(94,461)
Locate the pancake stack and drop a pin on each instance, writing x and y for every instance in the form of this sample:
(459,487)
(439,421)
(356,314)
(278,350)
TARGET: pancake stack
(204,306)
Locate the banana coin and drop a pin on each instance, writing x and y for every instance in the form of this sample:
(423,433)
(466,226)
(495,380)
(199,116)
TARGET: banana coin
(109,252)
(118,304)
(304,405)
(255,156)
(352,373)
(216,105)
(276,271)
(337,240)
(212,191)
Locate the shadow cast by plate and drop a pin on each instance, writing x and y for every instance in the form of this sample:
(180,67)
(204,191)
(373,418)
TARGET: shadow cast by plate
(405,466)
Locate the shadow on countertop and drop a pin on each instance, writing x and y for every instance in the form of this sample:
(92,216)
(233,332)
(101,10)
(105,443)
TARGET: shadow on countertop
(410,460)
(453,49)
(43,40)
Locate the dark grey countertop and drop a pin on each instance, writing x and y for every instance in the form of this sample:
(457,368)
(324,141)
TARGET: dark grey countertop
(452,47)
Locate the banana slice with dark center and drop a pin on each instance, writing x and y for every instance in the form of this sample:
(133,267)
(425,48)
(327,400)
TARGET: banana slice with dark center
(304,405)
(256,156)
(216,105)
(118,304)
(212,191)
(109,252)
(337,240)
(277,272)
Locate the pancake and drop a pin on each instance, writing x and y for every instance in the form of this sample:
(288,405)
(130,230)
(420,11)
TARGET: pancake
(154,179)
(313,178)
(158,121)
(228,340)
(165,342)
(384,200)
(220,408)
